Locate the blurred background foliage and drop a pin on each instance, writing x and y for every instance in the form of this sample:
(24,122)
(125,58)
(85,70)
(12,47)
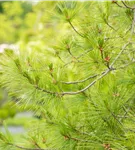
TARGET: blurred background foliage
(27,25)
(20,23)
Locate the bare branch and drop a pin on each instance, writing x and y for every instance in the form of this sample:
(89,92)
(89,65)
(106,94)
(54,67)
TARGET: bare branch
(75,82)
(76,92)
(122,67)
(132,27)
(87,87)
(124,47)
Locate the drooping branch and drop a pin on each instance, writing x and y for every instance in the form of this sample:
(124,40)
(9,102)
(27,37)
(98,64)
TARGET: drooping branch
(122,67)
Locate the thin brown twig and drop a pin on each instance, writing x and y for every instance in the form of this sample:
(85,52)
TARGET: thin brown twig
(46,91)
(132,26)
(110,26)
(24,148)
(75,29)
(127,5)
(119,5)
(81,55)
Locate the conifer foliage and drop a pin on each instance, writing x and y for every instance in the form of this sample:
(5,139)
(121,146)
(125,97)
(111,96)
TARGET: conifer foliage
(81,82)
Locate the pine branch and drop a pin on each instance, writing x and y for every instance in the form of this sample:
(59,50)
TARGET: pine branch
(76,92)
(104,73)
(87,87)
(110,68)
(97,118)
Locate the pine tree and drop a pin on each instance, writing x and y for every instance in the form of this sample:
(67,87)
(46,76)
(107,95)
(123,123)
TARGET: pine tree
(82,84)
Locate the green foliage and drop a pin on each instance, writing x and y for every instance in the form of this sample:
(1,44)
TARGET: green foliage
(12,20)
(75,70)
(5,104)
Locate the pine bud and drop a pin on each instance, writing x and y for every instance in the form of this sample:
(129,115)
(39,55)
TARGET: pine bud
(114,1)
(107,59)
(66,137)
(67,18)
